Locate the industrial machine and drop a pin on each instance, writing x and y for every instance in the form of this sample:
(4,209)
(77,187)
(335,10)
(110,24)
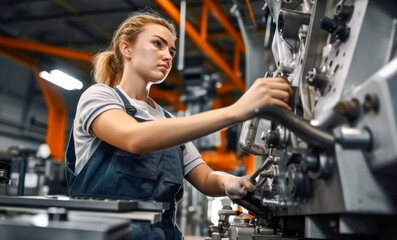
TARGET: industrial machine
(61,217)
(330,163)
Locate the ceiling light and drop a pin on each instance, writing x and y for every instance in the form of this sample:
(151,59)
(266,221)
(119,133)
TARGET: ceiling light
(61,79)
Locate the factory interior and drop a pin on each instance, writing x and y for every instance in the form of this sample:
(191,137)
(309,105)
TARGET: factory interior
(320,165)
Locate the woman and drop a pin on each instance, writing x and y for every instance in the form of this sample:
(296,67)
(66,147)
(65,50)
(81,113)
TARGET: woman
(125,146)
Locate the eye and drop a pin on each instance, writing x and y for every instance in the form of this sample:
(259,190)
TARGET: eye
(172,53)
(157,43)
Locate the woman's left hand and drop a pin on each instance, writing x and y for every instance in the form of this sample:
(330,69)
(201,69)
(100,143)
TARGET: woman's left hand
(237,188)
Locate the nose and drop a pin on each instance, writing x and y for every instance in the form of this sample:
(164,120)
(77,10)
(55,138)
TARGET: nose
(167,56)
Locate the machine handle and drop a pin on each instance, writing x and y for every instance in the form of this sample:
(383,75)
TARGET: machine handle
(298,125)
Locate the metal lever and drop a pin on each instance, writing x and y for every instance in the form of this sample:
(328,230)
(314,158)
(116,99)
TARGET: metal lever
(298,125)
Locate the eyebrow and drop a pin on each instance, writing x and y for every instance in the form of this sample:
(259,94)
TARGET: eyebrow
(165,42)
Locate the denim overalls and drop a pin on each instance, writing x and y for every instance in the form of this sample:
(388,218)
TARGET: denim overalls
(112,173)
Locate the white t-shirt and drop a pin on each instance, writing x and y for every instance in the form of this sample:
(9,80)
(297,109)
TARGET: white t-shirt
(99,98)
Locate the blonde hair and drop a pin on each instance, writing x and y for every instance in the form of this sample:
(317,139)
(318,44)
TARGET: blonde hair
(108,64)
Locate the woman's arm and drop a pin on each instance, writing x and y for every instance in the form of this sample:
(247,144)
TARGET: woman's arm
(119,129)
(215,184)
(122,131)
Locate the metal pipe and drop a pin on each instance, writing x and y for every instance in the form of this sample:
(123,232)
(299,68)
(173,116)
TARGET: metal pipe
(181,55)
(256,58)
(298,125)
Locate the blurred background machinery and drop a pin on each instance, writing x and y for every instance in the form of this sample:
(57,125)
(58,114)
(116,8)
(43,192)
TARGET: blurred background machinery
(33,173)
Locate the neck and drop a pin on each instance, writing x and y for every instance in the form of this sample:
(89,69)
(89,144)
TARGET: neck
(135,87)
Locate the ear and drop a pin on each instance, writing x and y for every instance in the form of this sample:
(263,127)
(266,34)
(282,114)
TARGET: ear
(125,49)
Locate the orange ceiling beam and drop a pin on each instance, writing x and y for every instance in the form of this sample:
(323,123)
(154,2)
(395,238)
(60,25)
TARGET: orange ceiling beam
(208,49)
(57,114)
(45,49)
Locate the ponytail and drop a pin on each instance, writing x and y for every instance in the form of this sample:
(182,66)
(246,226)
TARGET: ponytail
(108,69)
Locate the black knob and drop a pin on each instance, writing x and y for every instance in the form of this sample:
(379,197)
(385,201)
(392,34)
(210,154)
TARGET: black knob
(271,139)
(337,29)
(316,79)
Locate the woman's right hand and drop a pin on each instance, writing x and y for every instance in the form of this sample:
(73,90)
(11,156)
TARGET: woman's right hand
(264,91)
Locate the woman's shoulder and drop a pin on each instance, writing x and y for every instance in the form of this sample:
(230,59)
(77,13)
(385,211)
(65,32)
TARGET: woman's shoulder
(98,95)
(98,91)
(98,87)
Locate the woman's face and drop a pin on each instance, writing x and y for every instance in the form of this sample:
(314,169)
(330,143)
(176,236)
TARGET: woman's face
(152,53)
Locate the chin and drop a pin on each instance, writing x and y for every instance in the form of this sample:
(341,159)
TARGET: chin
(159,77)
(158,81)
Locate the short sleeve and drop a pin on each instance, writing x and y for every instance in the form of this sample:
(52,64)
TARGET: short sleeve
(191,157)
(94,101)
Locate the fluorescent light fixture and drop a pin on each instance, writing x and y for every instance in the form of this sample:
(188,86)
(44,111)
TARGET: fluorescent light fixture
(61,79)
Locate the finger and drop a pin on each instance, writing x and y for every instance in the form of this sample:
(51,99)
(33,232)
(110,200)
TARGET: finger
(280,103)
(271,80)
(281,86)
(278,85)
(278,79)
(282,95)
(283,81)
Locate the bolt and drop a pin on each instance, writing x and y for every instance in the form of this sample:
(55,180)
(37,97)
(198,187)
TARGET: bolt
(371,102)
(350,109)
(316,79)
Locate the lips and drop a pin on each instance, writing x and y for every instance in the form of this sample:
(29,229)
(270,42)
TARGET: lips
(164,66)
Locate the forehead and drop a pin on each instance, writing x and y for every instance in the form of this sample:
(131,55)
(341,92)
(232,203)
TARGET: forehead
(155,29)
